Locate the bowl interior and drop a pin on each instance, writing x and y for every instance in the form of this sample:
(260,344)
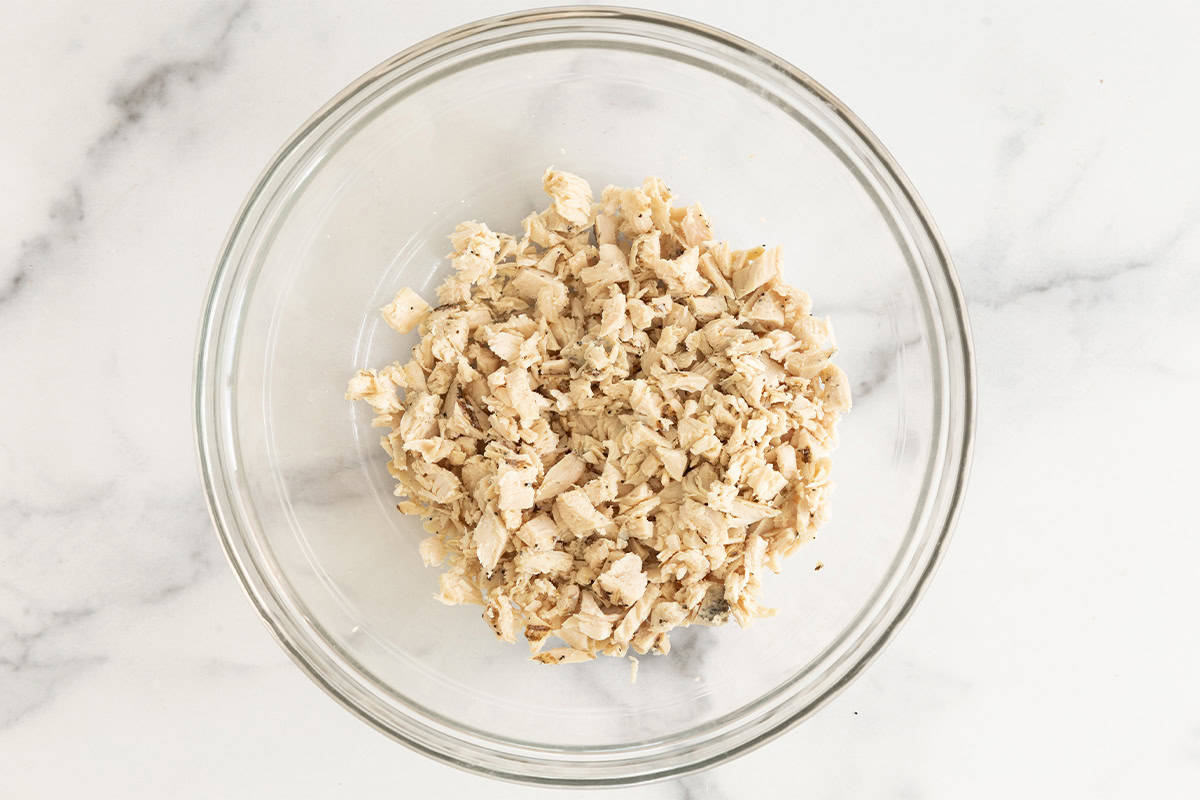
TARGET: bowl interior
(368,211)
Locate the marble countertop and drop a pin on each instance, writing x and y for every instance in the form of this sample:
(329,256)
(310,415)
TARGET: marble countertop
(1057,651)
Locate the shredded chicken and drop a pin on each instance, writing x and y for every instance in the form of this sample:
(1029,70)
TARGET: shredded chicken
(613,423)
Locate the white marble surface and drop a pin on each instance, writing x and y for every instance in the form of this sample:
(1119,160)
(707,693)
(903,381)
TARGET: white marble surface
(1057,651)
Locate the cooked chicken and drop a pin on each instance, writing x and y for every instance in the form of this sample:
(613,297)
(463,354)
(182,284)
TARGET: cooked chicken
(405,311)
(613,423)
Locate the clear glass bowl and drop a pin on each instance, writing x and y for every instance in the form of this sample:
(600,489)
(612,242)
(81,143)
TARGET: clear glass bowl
(359,203)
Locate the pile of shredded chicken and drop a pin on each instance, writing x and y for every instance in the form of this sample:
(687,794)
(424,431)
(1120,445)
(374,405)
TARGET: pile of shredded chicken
(613,423)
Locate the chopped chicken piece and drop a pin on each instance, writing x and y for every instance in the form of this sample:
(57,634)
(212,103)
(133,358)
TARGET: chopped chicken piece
(565,473)
(574,510)
(499,615)
(765,482)
(624,581)
(516,488)
(539,533)
(757,273)
(549,562)
(571,195)
(590,620)
(376,390)
(406,311)
(433,551)
(490,538)
(564,655)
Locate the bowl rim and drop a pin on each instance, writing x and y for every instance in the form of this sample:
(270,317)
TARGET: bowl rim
(525,766)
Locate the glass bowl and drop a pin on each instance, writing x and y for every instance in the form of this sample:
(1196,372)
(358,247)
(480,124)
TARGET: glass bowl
(360,203)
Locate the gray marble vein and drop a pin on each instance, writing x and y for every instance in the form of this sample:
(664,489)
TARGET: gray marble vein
(153,89)
(134,101)
(31,676)
(1065,276)
(31,684)
(876,369)
(37,625)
